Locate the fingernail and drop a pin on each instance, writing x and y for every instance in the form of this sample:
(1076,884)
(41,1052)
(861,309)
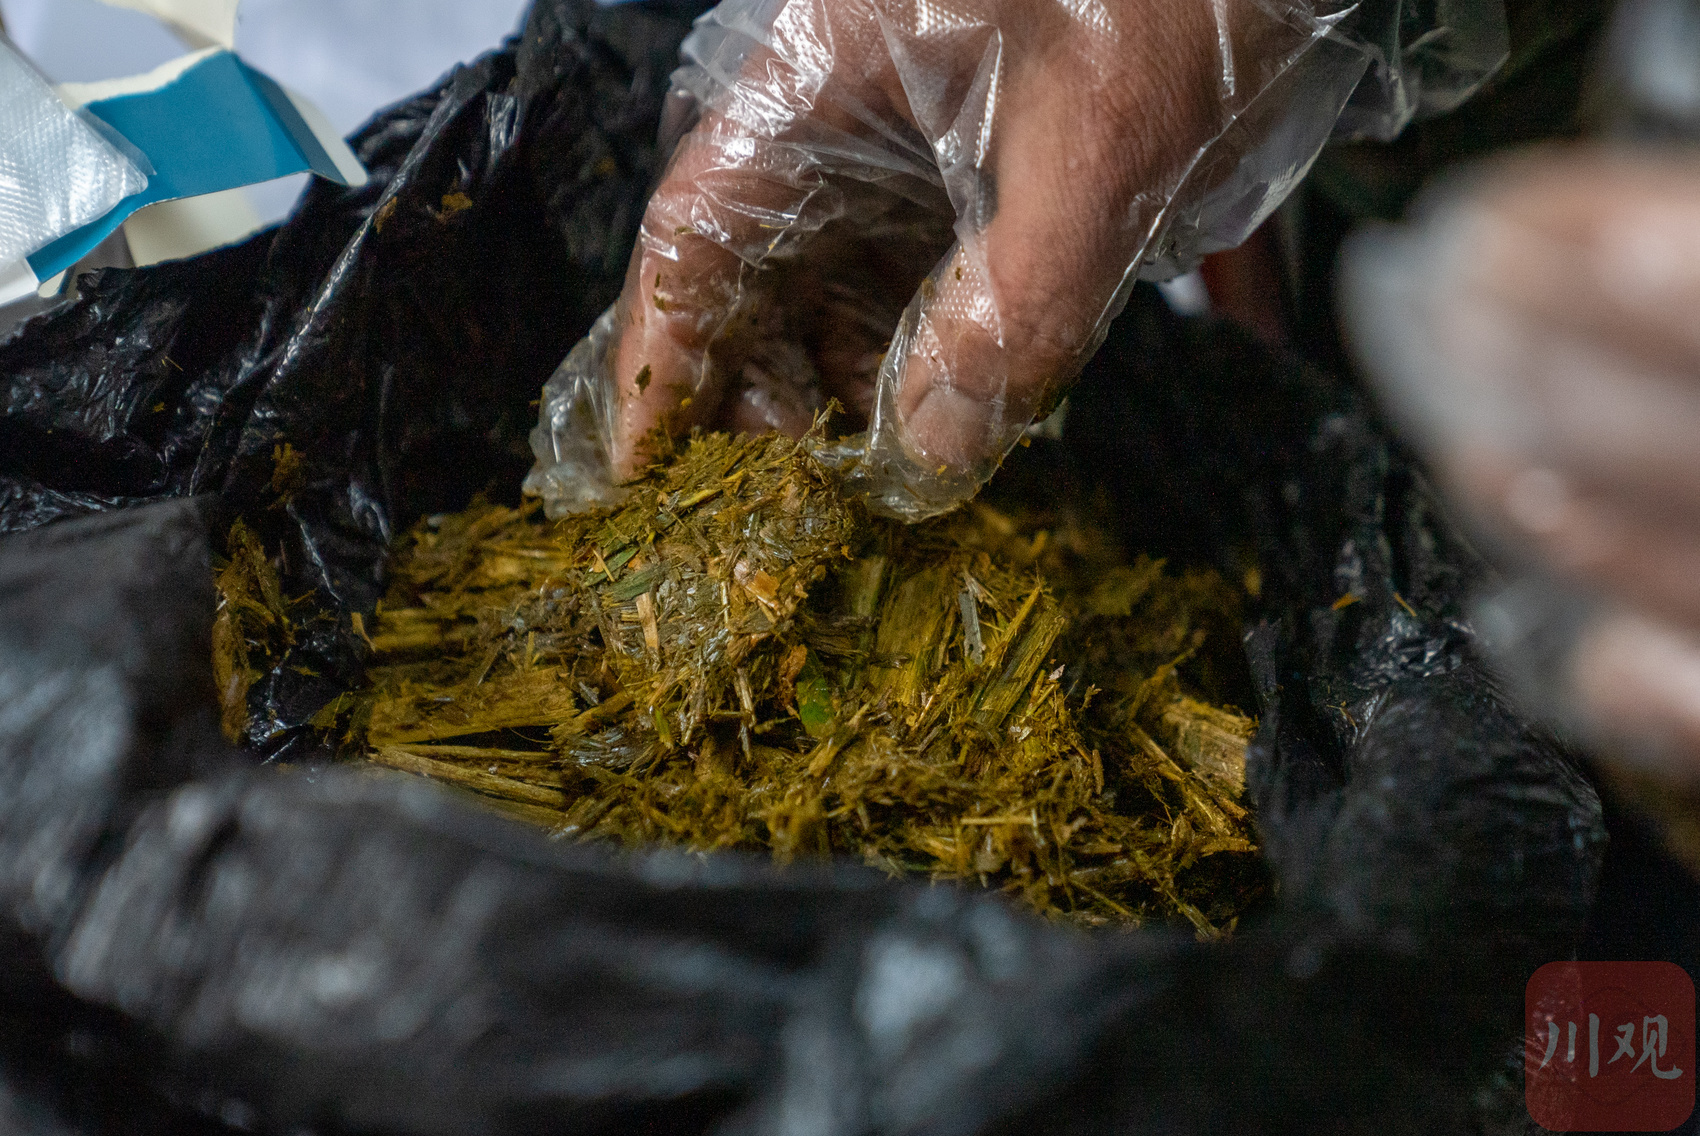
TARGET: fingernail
(1574,534)
(1539,501)
(950,428)
(1641,681)
(1652,252)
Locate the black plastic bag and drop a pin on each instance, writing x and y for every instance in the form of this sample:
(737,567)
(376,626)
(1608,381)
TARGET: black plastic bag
(377,357)
(327,950)
(336,951)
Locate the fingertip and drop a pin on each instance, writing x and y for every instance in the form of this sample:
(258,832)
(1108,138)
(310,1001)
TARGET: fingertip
(1640,681)
(951,428)
(654,386)
(964,397)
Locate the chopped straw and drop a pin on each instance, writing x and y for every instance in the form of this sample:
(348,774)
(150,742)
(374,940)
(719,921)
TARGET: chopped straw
(740,657)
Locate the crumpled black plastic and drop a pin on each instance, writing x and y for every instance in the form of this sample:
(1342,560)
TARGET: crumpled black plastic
(288,949)
(1360,644)
(394,337)
(197,942)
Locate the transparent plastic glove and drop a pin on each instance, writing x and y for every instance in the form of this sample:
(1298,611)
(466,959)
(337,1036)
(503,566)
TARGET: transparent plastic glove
(1536,332)
(57,171)
(931,211)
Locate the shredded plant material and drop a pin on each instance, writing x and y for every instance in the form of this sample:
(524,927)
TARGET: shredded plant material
(253,624)
(739,657)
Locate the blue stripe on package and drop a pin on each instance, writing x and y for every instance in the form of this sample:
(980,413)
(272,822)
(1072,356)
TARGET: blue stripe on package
(205,123)
(57,171)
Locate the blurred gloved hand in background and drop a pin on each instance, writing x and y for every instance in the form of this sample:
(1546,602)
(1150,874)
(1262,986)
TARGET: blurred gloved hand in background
(1538,331)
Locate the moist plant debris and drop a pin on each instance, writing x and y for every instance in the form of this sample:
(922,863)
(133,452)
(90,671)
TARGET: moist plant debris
(253,626)
(740,657)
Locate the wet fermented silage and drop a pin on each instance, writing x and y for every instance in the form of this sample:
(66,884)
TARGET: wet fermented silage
(740,657)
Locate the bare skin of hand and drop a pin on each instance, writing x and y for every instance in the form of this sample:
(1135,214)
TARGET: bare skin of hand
(1582,295)
(1092,117)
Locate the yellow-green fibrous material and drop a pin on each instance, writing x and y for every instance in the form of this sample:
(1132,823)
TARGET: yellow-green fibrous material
(739,657)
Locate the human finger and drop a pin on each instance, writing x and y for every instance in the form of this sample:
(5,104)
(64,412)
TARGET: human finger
(1599,415)
(1013,313)
(686,288)
(1600,241)
(1584,533)
(1638,681)
(749,183)
(1510,323)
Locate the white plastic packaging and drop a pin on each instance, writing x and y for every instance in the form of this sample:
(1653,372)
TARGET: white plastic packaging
(57,171)
(829,132)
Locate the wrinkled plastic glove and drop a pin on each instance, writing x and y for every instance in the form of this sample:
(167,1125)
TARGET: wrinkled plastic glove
(931,212)
(1537,333)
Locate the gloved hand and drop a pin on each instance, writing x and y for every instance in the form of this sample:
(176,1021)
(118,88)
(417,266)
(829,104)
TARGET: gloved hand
(1538,331)
(1051,131)
(1020,161)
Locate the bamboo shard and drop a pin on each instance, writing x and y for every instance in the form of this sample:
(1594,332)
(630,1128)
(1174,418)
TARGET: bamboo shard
(739,657)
